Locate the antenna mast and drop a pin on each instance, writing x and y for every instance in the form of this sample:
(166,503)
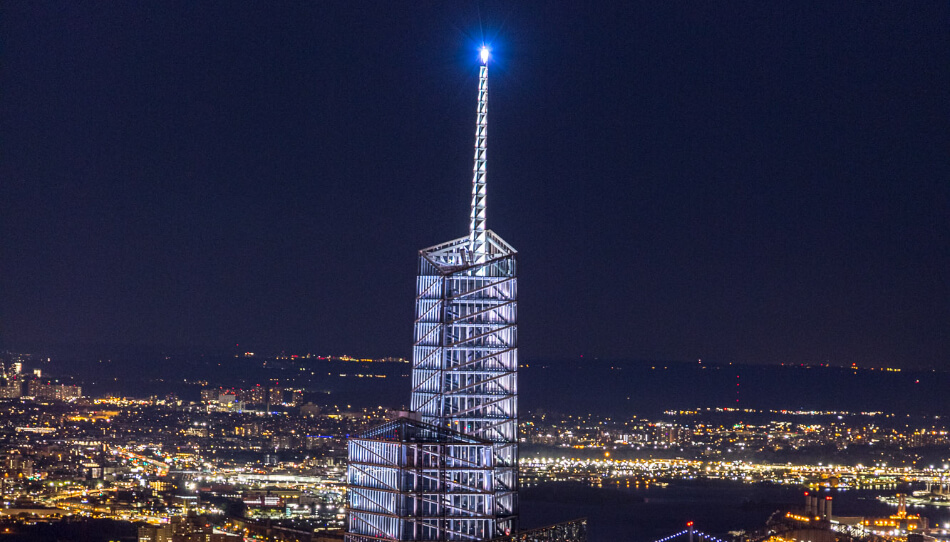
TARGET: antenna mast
(478,242)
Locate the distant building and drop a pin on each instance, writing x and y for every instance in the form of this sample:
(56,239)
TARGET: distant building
(901,521)
(263,500)
(254,396)
(811,524)
(285,396)
(669,434)
(92,471)
(14,465)
(228,401)
(52,390)
(275,395)
(11,388)
(184,529)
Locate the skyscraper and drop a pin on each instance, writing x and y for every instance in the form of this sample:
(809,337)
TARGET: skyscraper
(465,356)
(464,394)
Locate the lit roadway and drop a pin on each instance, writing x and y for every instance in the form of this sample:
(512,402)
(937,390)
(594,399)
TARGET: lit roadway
(838,475)
(160,468)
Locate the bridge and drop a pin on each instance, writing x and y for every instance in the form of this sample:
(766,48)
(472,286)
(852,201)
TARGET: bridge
(846,532)
(690,534)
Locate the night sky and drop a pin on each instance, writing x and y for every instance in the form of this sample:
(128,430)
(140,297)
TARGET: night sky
(755,182)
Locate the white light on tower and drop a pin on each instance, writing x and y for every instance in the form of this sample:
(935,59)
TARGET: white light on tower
(484,54)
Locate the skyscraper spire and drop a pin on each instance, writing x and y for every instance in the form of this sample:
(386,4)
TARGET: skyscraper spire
(476,235)
(449,470)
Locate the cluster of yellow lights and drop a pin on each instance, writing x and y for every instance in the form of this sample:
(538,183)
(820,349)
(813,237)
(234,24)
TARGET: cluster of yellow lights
(895,520)
(103,415)
(120,401)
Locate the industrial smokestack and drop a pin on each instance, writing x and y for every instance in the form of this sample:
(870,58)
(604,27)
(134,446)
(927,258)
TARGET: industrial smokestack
(828,501)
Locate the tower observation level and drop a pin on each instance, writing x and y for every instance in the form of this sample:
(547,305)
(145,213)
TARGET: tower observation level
(450,470)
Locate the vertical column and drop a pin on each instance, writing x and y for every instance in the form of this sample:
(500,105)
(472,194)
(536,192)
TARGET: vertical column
(477,235)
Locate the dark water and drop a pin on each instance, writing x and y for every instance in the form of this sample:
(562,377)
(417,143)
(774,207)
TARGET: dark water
(716,507)
(85,530)
(604,388)
(625,388)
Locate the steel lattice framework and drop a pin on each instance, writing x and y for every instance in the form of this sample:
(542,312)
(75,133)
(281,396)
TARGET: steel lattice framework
(476,234)
(409,480)
(464,386)
(465,356)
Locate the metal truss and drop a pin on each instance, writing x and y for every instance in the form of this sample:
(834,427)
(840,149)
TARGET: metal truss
(465,356)
(456,476)
(465,351)
(479,172)
(408,480)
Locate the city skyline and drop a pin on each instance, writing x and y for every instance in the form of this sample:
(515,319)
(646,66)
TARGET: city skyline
(759,184)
